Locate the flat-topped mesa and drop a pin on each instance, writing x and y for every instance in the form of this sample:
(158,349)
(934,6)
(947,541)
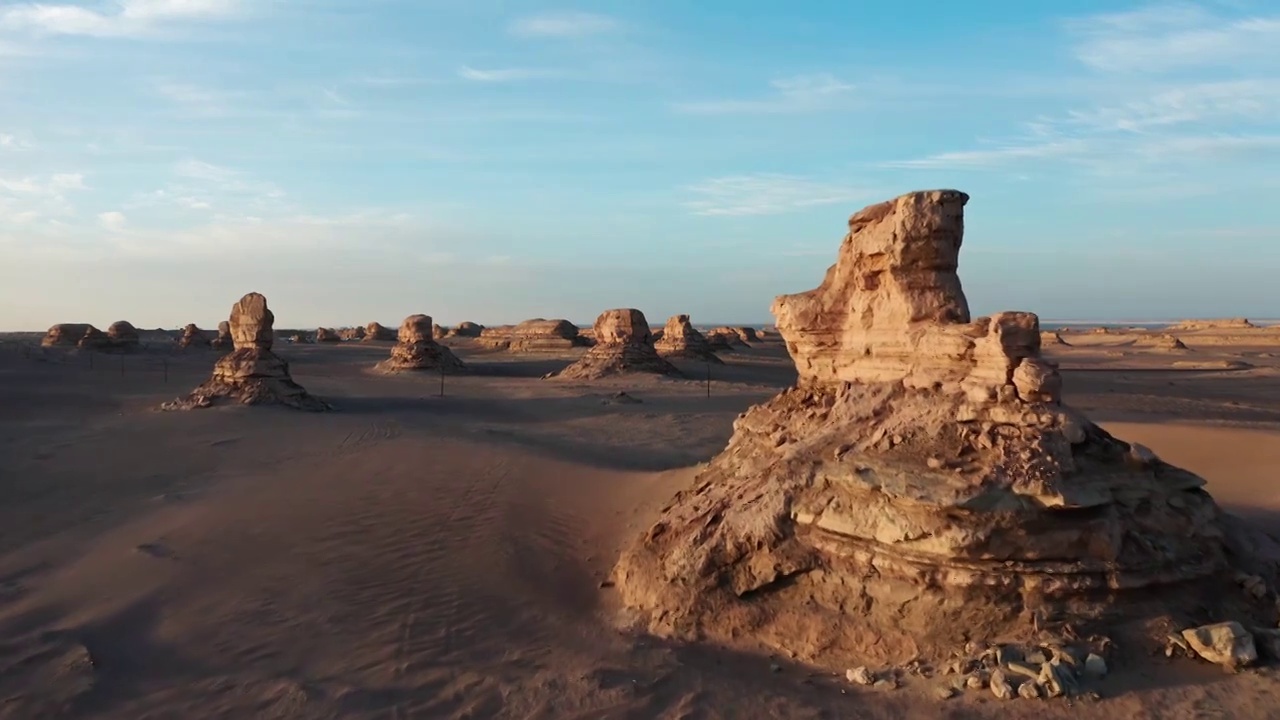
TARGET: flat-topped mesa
(416,349)
(193,338)
(251,374)
(922,486)
(681,339)
(1237,323)
(623,345)
(377,332)
(536,335)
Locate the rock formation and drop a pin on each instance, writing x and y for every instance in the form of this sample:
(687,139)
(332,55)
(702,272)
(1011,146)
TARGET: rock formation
(1219,324)
(351,333)
(923,485)
(223,341)
(251,374)
(327,335)
(532,336)
(65,334)
(193,337)
(623,345)
(122,335)
(1169,343)
(724,339)
(1052,338)
(466,328)
(416,349)
(439,332)
(377,332)
(94,339)
(680,339)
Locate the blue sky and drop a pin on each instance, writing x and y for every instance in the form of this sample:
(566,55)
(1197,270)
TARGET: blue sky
(500,159)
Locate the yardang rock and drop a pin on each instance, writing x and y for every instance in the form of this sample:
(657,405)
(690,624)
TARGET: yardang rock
(623,345)
(416,349)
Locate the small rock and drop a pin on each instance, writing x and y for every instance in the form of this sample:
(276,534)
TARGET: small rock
(1024,669)
(1095,665)
(859,675)
(944,692)
(975,682)
(934,463)
(1036,657)
(1029,690)
(886,684)
(775,667)
(1225,644)
(1176,645)
(1058,680)
(1000,686)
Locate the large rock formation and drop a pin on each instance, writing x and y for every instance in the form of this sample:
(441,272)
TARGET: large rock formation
(123,336)
(377,332)
(65,334)
(923,485)
(251,374)
(623,345)
(351,333)
(223,341)
(532,336)
(1238,323)
(681,339)
(193,337)
(94,339)
(327,335)
(466,328)
(725,339)
(416,349)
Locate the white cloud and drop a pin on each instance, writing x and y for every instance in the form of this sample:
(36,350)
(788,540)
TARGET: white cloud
(9,141)
(799,94)
(766,194)
(996,156)
(54,186)
(1237,99)
(27,200)
(503,74)
(563,25)
(113,221)
(129,18)
(1167,37)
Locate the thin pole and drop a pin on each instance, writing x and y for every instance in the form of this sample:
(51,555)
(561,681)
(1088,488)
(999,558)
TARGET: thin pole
(708,364)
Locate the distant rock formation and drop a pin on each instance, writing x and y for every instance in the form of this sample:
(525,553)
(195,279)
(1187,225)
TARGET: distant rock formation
(1166,342)
(351,333)
(416,349)
(923,487)
(327,335)
(1238,323)
(466,328)
(623,345)
(724,339)
(193,338)
(65,334)
(94,339)
(377,332)
(1053,338)
(533,336)
(680,339)
(223,341)
(251,374)
(123,336)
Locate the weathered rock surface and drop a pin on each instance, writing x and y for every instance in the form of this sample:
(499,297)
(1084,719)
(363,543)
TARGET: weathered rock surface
(193,338)
(123,336)
(1238,323)
(327,335)
(533,336)
(377,332)
(724,339)
(1052,338)
(94,339)
(416,349)
(623,345)
(439,332)
(466,328)
(65,334)
(1168,343)
(1227,644)
(681,339)
(223,341)
(250,374)
(923,484)
(351,333)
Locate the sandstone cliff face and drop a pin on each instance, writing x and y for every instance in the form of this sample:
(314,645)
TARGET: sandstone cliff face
(193,337)
(416,349)
(681,339)
(923,485)
(251,374)
(623,345)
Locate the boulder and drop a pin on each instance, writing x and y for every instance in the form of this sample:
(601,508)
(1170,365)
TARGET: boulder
(416,349)
(623,345)
(1226,643)
(466,328)
(327,335)
(251,374)
(65,334)
(377,332)
(193,337)
(223,341)
(922,484)
(681,339)
(533,336)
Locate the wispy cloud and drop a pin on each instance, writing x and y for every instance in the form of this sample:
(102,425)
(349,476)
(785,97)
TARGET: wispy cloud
(799,94)
(498,75)
(123,18)
(996,156)
(563,25)
(766,194)
(28,200)
(113,221)
(9,141)
(1167,37)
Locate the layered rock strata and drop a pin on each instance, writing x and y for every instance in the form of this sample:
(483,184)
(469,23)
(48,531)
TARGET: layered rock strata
(923,485)
(623,345)
(681,339)
(416,349)
(466,328)
(533,336)
(193,337)
(251,374)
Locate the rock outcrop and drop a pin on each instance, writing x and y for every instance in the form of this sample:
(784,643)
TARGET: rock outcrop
(439,332)
(725,339)
(623,345)
(223,341)
(65,334)
(1168,343)
(193,338)
(377,332)
(351,333)
(94,339)
(251,374)
(1218,324)
(681,339)
(923,485)
(327,335)
(466,328)
(1052,338)
(533,336)
(416,349)
(123,336)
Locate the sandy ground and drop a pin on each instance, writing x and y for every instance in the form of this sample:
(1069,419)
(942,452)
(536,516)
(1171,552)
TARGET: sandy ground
(418,556)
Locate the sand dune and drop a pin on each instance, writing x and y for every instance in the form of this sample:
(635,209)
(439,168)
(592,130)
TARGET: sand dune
(442,557)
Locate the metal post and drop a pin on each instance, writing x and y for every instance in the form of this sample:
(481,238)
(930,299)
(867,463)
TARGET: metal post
(708,379)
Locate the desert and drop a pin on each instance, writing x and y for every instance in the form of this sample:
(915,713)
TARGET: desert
(511,522)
